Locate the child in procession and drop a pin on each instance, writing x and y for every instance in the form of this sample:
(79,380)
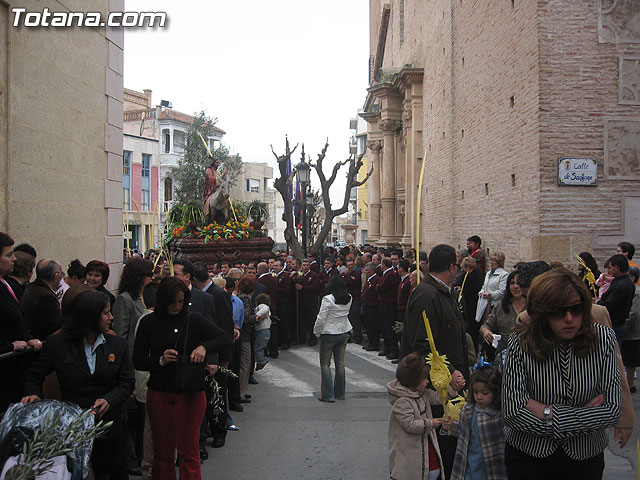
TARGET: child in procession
(413,447)
(480,451)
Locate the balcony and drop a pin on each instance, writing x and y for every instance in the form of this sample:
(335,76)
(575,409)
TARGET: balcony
(139,115)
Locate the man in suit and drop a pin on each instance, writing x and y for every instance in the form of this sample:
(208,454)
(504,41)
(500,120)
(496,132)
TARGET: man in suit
(376,258)
(619,296)
(224,319)
(353,282)
(201,303)
(370,303)
(14,335)
(284,293)
(39,303)
(22,272)
(387,291)
(327,272)
(307,286)
(434,296)
(313,262)
(402,298)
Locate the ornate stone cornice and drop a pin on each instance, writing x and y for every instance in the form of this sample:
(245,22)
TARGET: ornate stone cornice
(408,76)
(389,125)
(374,146)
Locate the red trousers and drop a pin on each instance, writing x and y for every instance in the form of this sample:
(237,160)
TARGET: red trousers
(175,422)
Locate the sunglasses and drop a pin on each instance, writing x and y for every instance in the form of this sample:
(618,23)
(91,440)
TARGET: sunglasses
(574,309)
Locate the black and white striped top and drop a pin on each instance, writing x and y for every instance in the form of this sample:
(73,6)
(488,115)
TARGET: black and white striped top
(567,382)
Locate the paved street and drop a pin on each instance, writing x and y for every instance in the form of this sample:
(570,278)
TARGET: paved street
(287,433)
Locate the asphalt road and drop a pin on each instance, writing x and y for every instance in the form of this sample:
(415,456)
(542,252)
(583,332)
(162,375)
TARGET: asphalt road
(287,433)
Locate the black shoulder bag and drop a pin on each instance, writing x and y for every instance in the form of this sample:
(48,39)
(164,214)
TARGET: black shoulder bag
(189,376)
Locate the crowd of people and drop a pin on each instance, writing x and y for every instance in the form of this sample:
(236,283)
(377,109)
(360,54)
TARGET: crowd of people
(542,351)
(172,355)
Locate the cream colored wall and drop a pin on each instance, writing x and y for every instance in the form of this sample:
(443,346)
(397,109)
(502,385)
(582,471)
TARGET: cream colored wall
(63,175)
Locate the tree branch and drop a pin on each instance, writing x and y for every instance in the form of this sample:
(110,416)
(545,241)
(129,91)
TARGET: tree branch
(336,167)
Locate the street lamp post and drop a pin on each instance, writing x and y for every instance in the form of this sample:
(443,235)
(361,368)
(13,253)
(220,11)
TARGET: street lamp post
(303,170)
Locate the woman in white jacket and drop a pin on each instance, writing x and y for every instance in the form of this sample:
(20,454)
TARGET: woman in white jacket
(332,326)
(491,293)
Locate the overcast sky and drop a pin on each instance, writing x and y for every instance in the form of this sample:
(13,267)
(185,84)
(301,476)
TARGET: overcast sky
(262,68)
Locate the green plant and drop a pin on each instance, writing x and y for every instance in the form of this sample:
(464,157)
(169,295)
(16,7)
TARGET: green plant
(51,440)
(215,403)
(258,210)
(186,213)
(190,174)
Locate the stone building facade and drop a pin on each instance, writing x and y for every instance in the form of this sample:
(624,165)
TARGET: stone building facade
(494,93)
(61,104)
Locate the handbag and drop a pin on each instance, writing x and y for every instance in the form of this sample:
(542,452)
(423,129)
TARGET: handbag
(189,376)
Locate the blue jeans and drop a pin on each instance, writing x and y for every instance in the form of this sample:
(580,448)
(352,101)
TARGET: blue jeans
(260,343)
(332,345)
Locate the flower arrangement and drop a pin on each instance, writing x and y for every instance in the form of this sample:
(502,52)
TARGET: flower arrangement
(192,225)
(232,229)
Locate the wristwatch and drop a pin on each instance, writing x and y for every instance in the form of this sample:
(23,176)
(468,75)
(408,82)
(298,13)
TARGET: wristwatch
(547,414)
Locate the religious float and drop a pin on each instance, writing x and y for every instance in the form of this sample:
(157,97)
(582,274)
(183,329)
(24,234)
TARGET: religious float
(239,239)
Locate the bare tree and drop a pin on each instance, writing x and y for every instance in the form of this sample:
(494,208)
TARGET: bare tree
(284,182)
(354,163)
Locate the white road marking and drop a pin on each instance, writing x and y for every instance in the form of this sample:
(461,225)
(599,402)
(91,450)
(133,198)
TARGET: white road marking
(275,375)
(354,379)
(371,357)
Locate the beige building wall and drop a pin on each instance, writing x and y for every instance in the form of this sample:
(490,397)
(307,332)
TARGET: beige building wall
(61,142)
(507,88)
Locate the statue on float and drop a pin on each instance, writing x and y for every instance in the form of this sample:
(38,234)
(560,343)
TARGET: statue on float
(217,206)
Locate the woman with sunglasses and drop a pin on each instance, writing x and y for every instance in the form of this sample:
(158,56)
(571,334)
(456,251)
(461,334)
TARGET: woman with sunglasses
(561,388)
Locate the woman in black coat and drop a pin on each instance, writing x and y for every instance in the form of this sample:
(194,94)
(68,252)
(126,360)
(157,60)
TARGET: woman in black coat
(470,288)
(94,371)
(172,343)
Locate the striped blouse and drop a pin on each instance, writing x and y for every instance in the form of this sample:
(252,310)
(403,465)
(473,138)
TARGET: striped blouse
(567,382)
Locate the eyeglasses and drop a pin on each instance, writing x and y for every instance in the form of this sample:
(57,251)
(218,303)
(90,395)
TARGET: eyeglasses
(575,309)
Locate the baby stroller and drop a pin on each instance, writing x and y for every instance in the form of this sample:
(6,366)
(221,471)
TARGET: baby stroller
(18,426)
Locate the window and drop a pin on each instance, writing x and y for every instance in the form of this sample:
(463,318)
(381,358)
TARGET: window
(145,200)
(167,141)
(126,180)
(126,199)
(253,185)
(168,189)
(126,162)
(146,161)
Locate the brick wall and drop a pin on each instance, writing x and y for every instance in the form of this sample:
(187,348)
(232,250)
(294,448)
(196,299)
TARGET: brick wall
(509,87)
(579,80)
(154,189)
(136,186)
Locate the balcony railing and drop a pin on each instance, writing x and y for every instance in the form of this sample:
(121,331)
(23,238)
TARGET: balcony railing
(137,115)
